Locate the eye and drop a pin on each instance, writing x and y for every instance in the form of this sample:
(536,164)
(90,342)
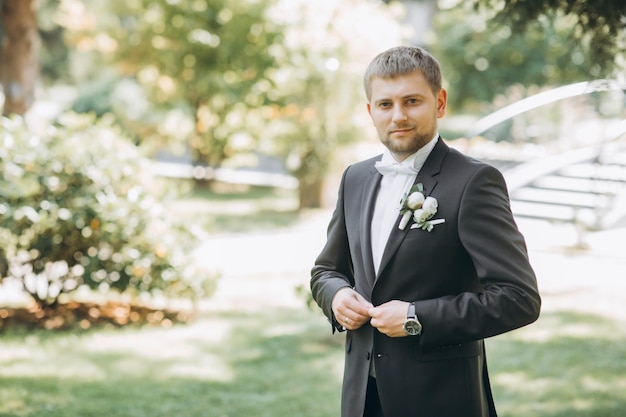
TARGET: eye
(384,105)
(413,101)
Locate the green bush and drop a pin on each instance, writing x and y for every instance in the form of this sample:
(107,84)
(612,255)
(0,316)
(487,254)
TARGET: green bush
(79,206)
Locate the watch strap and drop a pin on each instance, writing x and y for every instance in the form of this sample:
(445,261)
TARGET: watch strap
(410,314)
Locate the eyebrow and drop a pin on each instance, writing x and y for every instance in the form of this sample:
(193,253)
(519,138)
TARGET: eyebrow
(413,95)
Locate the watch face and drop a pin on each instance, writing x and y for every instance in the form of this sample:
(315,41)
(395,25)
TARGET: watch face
(413,327)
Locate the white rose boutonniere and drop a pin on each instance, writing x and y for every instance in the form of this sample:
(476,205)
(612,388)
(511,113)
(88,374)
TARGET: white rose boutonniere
(421,209)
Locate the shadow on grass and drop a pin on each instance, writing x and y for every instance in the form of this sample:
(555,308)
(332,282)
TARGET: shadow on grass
(284,362)
(566,365)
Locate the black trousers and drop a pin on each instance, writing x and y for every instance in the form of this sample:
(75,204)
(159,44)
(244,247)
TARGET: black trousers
(372,402)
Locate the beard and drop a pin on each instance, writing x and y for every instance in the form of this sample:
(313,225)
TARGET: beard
(403,147)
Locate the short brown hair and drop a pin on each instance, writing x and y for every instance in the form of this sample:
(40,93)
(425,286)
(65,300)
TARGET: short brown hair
(402,60)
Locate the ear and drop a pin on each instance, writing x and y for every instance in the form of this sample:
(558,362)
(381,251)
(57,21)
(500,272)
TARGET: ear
(369,108)
(442,100)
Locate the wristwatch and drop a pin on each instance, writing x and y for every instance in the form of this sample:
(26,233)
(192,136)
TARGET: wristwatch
(412,325)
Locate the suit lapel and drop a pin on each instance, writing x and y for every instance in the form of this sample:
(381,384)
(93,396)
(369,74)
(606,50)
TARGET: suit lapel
(426,175)
(370,190)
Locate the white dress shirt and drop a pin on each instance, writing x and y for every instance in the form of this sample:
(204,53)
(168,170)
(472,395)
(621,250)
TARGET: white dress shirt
(393,187)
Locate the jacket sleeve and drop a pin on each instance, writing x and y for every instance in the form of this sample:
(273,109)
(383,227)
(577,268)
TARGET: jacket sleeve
(333,267)
(509,298)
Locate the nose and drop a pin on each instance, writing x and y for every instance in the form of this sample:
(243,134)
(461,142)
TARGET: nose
(399,114)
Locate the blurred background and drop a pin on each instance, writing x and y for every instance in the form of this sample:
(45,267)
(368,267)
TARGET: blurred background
(168,169)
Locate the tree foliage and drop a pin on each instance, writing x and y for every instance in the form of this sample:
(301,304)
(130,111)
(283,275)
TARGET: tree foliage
(600,24)
(54,53)
(278,76)
(208,58)
(483,61)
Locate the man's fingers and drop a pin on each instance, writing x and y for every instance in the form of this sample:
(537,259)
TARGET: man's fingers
(350,308)
(355,302)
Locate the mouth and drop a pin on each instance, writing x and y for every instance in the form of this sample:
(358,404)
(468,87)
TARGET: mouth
(400,131)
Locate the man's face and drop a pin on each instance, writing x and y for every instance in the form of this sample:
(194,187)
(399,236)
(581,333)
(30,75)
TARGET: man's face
(405,110)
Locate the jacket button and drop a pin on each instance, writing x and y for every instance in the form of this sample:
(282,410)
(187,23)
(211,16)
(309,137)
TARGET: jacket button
(380,355)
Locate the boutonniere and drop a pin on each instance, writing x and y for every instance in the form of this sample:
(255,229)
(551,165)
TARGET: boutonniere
(420,208)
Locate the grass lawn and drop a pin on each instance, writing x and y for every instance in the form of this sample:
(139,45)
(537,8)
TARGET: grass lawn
(239,209)
(566,365)
(283,362)
(273,363)
(273,360)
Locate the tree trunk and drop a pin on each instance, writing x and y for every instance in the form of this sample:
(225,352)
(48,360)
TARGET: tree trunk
(19,51)
(311,193)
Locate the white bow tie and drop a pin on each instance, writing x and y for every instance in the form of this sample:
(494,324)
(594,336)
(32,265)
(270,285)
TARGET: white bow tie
(385,169)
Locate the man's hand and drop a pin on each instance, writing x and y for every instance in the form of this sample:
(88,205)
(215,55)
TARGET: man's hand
(389,318)
(350,308)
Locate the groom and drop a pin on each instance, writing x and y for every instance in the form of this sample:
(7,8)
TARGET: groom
(419,282)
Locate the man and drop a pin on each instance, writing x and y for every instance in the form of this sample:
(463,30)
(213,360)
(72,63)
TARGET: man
(418,285)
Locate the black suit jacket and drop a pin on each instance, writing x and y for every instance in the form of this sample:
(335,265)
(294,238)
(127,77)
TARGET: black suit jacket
(470,278)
